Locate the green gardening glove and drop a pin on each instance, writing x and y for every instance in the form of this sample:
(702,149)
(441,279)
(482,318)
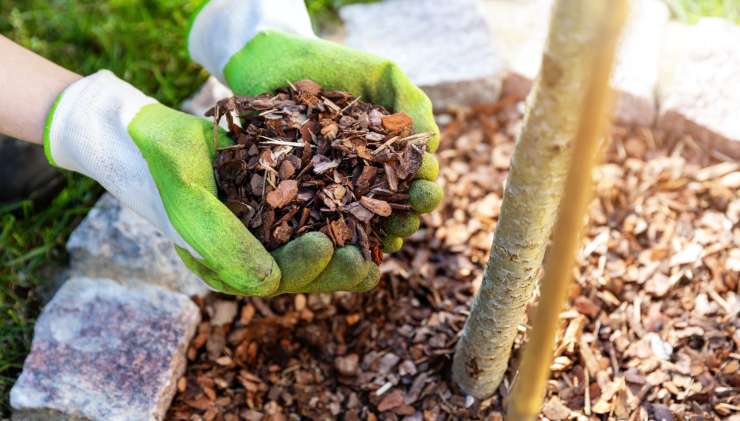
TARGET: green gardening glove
(157,161)
(270,59)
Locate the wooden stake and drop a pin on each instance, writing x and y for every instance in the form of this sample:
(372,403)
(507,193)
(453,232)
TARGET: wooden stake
(529,389)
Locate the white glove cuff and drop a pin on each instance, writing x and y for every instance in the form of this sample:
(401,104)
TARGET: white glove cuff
(88,133)
(93,114)
(223,27)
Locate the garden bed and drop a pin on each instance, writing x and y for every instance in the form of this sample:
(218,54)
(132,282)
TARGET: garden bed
(651,329)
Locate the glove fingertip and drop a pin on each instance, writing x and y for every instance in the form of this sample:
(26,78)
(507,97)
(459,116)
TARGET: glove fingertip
(371,280)
(303,260)
(346,269)
(401,224)
(429,169)
(425,196)
(433,143)
(391,244)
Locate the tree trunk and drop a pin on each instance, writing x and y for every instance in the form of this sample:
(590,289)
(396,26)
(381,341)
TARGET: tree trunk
(525,399)
(533,190)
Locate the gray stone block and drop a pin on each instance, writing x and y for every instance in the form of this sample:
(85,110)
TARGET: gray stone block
(636,72)
(114,242)
(105,351)
(444,46)
(699,85)
(521,28)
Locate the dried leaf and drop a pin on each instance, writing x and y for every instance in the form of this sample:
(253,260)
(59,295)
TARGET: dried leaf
(392,400)
(329,129)
(282,233)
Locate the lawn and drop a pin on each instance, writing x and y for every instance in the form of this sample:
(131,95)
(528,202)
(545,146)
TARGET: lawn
(691,10)
(141,41)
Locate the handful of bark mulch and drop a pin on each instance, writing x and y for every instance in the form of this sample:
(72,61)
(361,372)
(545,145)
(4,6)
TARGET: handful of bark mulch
(307,159)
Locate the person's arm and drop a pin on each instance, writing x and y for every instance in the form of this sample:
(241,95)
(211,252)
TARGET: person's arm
(29,84)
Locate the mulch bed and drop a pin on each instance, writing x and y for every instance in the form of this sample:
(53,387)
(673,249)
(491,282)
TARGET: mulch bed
(651,333)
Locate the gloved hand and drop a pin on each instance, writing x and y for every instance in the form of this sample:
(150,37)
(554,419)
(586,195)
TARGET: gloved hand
(257,46)
(157,161)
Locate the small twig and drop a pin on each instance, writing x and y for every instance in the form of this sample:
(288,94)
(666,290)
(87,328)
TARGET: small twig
(232,147)
(303,171)
(350,104)
(271,141)
(387,143)
(282,143)
(389,196)
(400,206)
(414,139)
(586,393)
(418,138)
(721,301)
(304,217)
(270,111)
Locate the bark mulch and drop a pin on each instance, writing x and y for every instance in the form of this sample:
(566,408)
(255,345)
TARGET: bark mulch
(651,331)
(307,159)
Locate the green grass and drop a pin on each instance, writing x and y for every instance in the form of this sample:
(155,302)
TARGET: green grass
(31,246)
(141,41)
(691,10)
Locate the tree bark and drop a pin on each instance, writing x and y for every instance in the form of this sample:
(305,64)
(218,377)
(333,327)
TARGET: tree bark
(533,190)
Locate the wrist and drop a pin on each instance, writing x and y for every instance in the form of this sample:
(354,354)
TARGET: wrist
(222,28)
(88,116)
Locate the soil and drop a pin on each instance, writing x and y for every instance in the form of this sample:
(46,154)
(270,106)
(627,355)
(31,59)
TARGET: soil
(307,159)
(651,331)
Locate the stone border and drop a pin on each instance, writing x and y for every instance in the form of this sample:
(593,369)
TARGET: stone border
(103,350)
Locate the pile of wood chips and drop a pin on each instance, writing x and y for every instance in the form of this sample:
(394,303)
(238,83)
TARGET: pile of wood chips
(307,159)
(652,331)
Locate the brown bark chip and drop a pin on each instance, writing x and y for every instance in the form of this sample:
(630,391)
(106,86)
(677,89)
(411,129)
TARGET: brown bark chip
(307,159)
(396,123)
(285,192)
(392,400)
(378,207)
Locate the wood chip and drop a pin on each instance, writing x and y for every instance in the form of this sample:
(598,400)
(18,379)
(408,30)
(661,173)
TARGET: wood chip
(378,207)
(396,122)
(283,194)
